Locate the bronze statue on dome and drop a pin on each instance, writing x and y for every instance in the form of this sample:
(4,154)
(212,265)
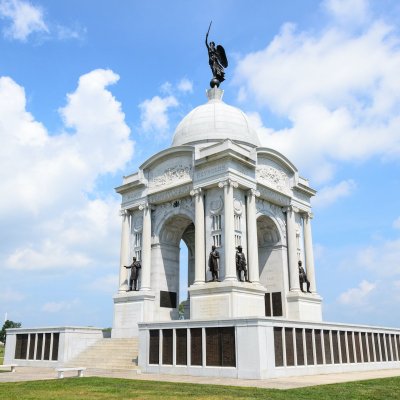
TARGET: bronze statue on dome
(217,60)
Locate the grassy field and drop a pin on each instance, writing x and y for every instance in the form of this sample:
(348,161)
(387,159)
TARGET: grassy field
(121,389)
(1,355)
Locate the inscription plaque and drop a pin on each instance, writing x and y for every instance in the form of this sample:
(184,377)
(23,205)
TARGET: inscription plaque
(377,348)
(268,304)
(299,346)
(220,347)
(39,346)
(289,346)
(395,358)
(343,346)
(228,346)
(56,341)
(364,346)
(335,345)
(277,304)
(371,347)
(309,347)
(196,346)
(278,344)
(350,346)
(382,340)
(213,347)
(389,354)
(32,346)
(318,346)
(181,347)
(167,299)
(167,346)
(154,348)
(357,345)
(47,339)
(21,346)
(327,344)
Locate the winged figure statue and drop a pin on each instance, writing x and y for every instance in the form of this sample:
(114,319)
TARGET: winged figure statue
(217,60)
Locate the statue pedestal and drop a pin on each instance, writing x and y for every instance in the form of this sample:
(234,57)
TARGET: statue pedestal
(129,309)
(304,306)
(226,300)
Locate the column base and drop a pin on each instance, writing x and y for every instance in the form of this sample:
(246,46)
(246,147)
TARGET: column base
(227,299)
(304,306)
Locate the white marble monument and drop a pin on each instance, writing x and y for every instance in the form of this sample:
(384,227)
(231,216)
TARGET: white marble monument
(216,186)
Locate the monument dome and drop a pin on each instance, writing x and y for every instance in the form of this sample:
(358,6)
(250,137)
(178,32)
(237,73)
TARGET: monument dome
(215,121)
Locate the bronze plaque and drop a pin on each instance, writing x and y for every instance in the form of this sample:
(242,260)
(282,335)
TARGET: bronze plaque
(309,347)
(398,346)
(335,346)
(377,348)
(357,346)
(39,346)
(343,346)
(47,340)
(299,346)
(32,346)
(21,346)
(350,346)
(318,346)
(389,354)
(181,347)
(393,348)
(268,312)
(167,299)
(56,341)
(196,347)
(383,353)
(228,346)
(371,347)
(154,348)
(289,346)
(327,344)
(364,346)
(277,304)
(167,346)
(278,347)
(213,347)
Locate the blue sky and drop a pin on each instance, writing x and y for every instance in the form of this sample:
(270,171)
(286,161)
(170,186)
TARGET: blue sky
(89,90)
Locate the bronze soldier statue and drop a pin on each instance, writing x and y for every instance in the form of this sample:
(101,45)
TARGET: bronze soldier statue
(213,263)
(303,278)
(135,269)
(241,264)
(217,60)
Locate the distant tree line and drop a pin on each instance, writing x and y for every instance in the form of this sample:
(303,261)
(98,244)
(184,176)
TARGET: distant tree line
(8,324)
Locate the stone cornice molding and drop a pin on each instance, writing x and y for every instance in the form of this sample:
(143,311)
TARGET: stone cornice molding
(228,182)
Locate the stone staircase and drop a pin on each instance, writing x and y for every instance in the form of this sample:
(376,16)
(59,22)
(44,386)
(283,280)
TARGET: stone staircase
(110,354)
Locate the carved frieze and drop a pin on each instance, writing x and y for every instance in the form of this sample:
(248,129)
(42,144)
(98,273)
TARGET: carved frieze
(171,175)
(211,170)
(273,196)
(273,177)
(170,194)
(131,196)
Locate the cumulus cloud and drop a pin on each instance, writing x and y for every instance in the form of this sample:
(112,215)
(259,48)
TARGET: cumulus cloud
(55,218)
(347,11)
(357,296)
(330,194)
(24,19)
(56,307)
(338,91)
(154,113)
(185,85)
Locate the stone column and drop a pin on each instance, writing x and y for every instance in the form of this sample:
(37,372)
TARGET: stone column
(292,249)
(124,252)
(308,247)
(229,234)
(146,247)
(200,259)
(252,242)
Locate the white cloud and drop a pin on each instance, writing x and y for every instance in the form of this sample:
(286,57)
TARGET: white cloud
(357,296)
(347,11)
(54,216)
(154,113)
(11,295)
(396,223)
(107,283)
(24,18)
(56,307)
(185,85)
(330,194)
(339,92)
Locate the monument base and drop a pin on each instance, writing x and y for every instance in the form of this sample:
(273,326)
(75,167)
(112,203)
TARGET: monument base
(226,300)
(304,306)
(129,309)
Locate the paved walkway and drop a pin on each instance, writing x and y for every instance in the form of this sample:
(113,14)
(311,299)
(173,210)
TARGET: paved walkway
(33,374)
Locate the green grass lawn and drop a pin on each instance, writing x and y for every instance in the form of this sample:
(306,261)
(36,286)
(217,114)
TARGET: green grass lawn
(1,355)
(109,388)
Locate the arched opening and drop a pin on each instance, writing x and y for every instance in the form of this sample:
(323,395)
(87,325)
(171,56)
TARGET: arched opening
(174,269)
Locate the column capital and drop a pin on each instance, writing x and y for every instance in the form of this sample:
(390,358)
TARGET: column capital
(145,206)
(307,215)
(124,213)
(253,192)
(196,192)
(290,209)
(228,182)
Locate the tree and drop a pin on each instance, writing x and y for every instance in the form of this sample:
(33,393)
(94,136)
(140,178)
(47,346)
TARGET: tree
(8,324)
